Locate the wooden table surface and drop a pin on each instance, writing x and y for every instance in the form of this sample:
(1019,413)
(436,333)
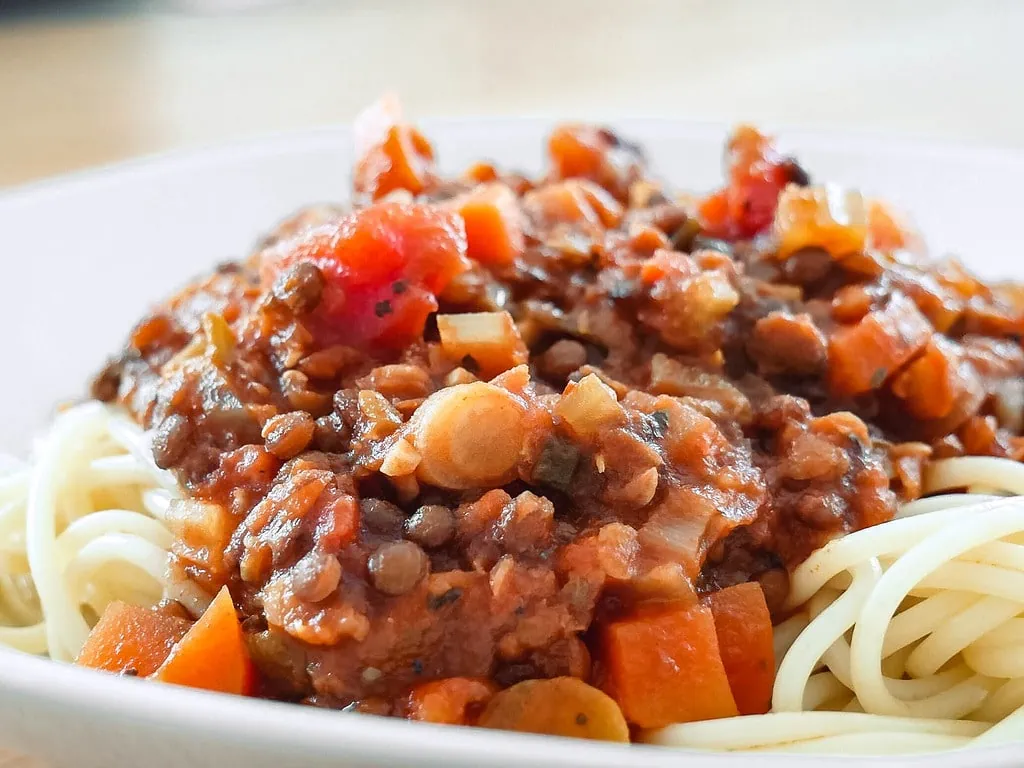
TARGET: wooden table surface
(76,92)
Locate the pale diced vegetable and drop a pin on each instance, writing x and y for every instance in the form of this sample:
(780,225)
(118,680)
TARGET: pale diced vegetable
(589,405)
(827,217)
(489,339)
(220,339)
(382,418)
(401,459)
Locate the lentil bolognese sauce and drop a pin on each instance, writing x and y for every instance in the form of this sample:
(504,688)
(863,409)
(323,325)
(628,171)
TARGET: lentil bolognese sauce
(552,454)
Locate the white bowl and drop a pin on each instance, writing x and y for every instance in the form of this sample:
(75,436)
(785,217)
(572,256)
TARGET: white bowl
(84,256)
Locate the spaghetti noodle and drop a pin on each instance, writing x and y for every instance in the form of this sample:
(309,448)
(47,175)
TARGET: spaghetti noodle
(908,635)
(79,528)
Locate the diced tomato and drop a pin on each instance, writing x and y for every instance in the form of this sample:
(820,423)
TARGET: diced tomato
(665,667)
(212,655)
(383,267)
(390,154)
(744,628)
(132,639)
(756,173)
(449,701)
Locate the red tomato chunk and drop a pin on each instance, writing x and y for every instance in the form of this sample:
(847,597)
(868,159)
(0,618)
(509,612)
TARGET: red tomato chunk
(383,267)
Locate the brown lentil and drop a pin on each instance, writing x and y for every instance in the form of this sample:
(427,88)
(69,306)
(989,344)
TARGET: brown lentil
(288,434)
(300,288)
(171,440)
(432,525)
(397,568)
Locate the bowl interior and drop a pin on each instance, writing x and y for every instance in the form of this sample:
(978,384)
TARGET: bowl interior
(84,256)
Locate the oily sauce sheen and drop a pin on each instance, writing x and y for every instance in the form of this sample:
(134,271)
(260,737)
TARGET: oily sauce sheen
(454,429)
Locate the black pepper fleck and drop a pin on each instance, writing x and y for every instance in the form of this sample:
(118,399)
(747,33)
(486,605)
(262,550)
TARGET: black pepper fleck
(417,667)
(382,308)
(581,719)
(399,287)
(660,419)
(437,602)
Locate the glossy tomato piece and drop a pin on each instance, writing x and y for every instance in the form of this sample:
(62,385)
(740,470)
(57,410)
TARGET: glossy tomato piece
(756,173)
(383,267)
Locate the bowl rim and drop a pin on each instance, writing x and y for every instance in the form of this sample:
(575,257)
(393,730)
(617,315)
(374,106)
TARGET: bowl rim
(312,731)
(307,730)
(272,142)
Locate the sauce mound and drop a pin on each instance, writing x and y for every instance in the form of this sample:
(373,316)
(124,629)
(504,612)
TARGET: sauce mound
(464,425)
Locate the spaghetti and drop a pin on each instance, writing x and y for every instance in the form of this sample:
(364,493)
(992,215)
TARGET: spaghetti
(908,635)
(81,527)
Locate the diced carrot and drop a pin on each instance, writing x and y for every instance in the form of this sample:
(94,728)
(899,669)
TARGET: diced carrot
(494,224)
(129,638)
(930,385)
(665,668)
(744,628)
(593,153)
(449,701)
(481,173)
(862,356)
(390,154)
(212,655)
(851,303)
(563,706)
(578,151)
(714,213)
(886,232)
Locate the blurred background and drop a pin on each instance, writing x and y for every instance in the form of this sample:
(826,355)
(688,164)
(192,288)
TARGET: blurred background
(84,83)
